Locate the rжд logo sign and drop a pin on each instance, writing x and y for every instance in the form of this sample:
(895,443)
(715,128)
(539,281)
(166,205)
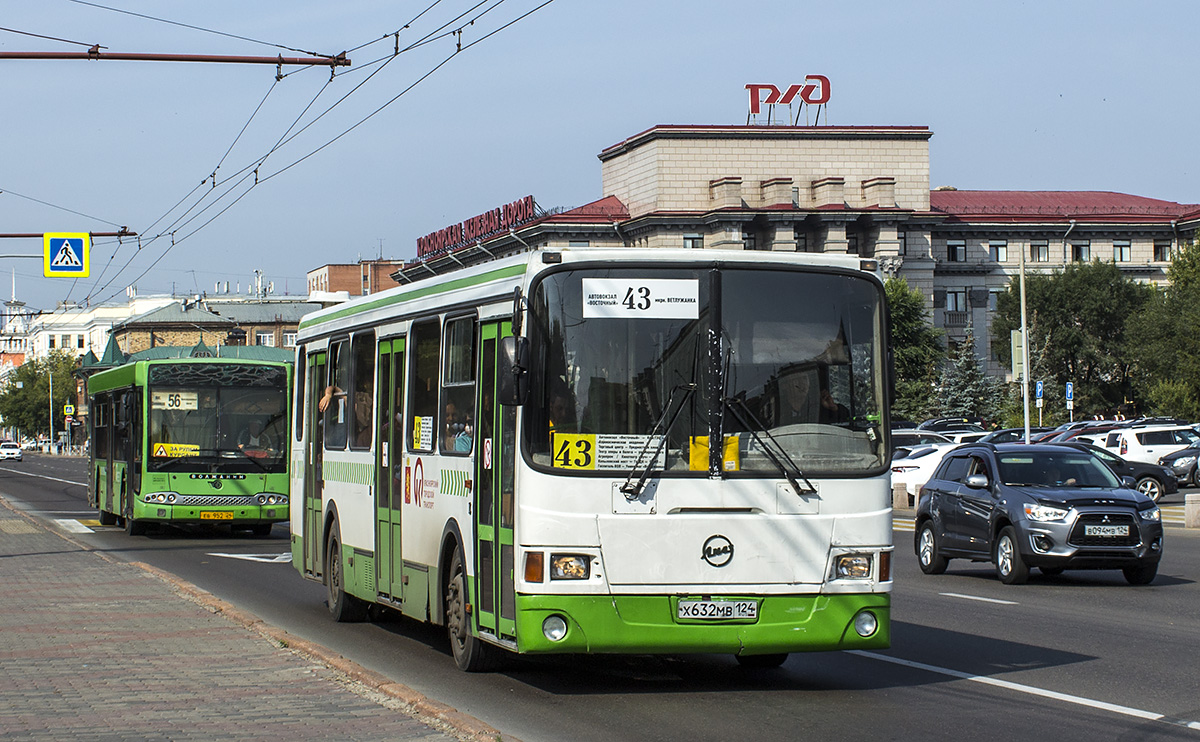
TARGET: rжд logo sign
(814,89)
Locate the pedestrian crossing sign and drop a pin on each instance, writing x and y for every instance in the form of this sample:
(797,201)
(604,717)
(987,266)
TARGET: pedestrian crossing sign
(65,254)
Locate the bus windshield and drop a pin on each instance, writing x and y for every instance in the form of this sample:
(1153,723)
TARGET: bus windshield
(780,359)
(217,417)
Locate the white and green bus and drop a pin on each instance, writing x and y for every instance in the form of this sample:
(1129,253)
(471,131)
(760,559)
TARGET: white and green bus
(644,451)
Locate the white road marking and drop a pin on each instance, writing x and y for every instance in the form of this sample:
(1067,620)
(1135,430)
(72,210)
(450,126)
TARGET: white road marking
(43,476)
(976,597)
(284,558)
(72,525)
(1034,691)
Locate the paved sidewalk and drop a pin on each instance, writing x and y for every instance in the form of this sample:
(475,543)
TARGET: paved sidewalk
(96,649)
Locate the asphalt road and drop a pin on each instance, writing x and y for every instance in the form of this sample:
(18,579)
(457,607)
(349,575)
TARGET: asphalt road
(1082,656)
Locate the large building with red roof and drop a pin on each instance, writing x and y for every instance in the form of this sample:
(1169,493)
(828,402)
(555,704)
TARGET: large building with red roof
(862,190)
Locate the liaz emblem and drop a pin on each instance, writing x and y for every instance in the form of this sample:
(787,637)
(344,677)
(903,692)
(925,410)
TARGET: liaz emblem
(718,551)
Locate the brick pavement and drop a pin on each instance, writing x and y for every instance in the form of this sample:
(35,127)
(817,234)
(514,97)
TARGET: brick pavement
(92,648)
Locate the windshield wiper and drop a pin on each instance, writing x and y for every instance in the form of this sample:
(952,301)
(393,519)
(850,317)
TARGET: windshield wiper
(792,474)
(631,489)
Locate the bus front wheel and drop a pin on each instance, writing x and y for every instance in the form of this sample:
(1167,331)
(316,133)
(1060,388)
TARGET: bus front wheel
(343,607)
(471,654)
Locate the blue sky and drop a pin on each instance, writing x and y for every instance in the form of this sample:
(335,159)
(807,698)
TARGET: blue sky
(1039,96)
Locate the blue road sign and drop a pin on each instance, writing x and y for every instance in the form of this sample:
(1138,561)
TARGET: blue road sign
(1039,389)
(1070,391)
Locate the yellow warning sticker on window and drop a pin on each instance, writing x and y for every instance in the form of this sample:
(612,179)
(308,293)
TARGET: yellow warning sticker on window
(174,450)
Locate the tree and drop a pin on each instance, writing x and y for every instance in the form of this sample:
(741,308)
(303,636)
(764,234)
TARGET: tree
(24,397)
(1164,340)
(1077,331)
(966,390)
(916,348)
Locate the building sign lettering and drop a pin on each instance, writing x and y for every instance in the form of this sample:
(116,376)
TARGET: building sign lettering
(814,89)
(476,228)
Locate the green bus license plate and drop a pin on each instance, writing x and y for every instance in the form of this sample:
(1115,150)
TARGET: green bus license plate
(216,515)
(717,609)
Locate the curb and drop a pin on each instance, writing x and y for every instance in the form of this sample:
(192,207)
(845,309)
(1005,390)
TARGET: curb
(417,705)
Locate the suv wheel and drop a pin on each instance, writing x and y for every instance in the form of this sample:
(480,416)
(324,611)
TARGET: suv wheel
(928,553)
(1141,575)
(1150,487)
(1010,567)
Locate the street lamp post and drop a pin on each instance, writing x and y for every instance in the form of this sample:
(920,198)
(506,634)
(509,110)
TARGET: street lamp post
(50,374)
(1025,350)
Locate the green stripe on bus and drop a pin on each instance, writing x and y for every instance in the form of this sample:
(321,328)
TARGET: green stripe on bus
(348,472)
(424,291)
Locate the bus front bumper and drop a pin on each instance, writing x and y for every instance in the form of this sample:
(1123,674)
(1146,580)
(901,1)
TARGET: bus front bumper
(648,624)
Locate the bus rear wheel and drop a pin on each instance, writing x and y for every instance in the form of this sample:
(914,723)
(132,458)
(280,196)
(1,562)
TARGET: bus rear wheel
(470,653)
(343,607)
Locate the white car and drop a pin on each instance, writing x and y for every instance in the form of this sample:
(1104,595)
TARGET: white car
(913,467)
(10,450)
(1151,443)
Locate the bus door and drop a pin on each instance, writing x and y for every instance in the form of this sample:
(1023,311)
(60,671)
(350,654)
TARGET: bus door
(313,472)
(494,472)
(389,472)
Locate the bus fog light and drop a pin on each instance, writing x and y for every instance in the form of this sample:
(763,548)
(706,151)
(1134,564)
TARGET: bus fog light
(570,567)
(852,567)
(555,628)
(865,624)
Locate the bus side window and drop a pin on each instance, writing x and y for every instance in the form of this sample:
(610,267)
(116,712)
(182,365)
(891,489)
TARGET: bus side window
(298,378)
(423,389)
(363,349)
(339,382)
(458,387)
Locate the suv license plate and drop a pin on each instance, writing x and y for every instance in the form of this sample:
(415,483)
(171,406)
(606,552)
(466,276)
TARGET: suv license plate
(1111,531)
(717,609)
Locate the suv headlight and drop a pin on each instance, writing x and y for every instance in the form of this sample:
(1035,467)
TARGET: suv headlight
(1044,513)
(1183,461)
(1152,515)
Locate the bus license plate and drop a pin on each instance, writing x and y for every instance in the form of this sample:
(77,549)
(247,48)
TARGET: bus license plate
(216,515)
(1110,531)
(718,609)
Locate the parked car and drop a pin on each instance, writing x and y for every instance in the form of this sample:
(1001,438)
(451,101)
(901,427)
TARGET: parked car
(915,438)
(1019,506)
(1011,435)
(911,467)
(10,450)
(1183,464)
(1150,444)
(1152,480)
(939,424)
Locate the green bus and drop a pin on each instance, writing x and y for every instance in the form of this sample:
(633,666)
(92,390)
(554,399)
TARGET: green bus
(190,440)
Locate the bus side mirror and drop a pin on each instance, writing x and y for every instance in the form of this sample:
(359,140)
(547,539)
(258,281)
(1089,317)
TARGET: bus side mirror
(513,373)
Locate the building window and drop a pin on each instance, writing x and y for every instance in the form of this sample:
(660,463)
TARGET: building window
(903,236)
(998,249)
(801,238)
(79,341)
(693,241)
(1039,252)
(748,241)
(994,299)
(289,339)
(50,338)
(1162,251)
(956,300)
(852,243)
(956,251)
(1081,252)
(66,342)
(265,338)
(1120,251)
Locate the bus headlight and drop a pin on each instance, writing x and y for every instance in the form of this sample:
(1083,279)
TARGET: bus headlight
(852,567)
(570,567)
(554,628)
(271,499)
(161,498)
(865,624)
